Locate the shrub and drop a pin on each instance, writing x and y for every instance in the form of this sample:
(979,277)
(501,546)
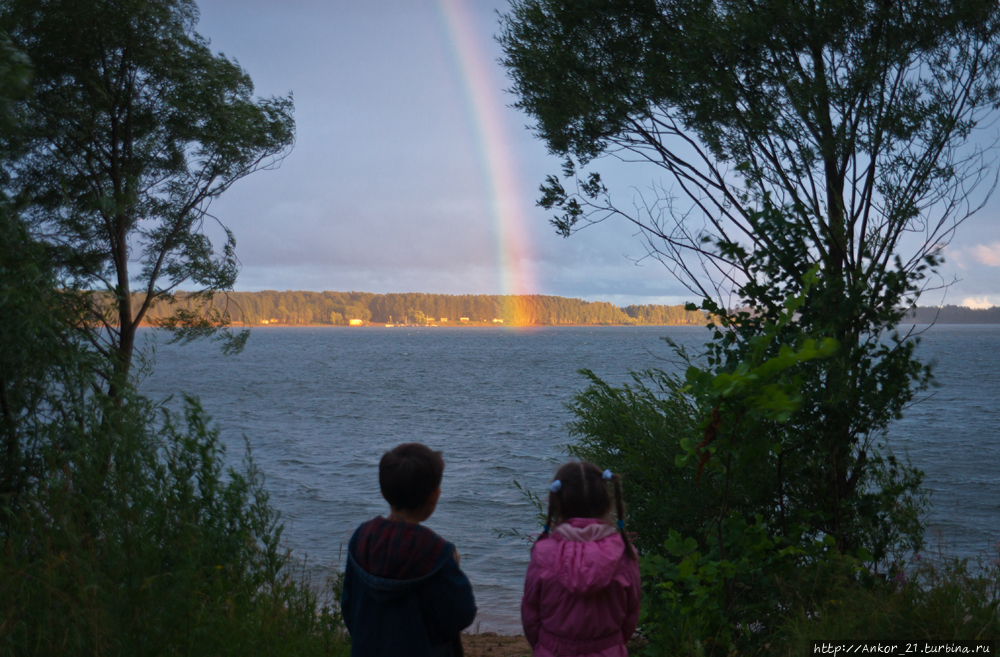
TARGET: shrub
(158,553)
(951,600)
(636,430)
(702,463)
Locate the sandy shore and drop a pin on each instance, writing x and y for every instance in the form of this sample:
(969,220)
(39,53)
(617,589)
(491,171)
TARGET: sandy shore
(495,645)
(491,644)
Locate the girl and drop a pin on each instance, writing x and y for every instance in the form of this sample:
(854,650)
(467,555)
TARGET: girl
(581,592)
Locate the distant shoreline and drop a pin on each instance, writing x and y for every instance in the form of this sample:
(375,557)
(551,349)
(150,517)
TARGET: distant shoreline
(458,326)
(529,326)
(342,308)
(909,321)
(311,309)
(953,315)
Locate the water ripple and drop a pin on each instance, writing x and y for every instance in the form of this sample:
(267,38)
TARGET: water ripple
(320,406)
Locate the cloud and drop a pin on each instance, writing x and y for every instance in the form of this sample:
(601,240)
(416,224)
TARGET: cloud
(978,302)
(964,257)
(988,255)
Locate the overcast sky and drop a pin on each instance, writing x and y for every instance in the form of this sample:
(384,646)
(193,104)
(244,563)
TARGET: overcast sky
(389,187)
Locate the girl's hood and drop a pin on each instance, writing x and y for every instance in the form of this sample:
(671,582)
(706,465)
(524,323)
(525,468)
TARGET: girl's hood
(585,553)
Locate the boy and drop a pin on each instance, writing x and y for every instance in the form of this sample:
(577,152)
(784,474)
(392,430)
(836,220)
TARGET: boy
(404,593)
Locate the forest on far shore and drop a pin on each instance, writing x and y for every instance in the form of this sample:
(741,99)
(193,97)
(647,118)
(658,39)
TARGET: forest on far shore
(339,308)
(954,315)
(298,308)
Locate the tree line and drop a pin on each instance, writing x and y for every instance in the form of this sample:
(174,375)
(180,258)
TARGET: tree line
(339,308)
(954,315)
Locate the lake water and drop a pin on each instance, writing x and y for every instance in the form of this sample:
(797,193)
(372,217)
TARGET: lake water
(321,405)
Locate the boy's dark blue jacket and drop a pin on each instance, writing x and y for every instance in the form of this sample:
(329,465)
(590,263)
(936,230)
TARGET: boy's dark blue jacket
(404,593)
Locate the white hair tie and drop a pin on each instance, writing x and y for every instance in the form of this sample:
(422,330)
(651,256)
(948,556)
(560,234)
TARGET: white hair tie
(555,486)
(608,475)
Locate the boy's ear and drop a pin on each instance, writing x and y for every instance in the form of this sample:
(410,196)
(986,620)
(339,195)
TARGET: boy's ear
(432,501)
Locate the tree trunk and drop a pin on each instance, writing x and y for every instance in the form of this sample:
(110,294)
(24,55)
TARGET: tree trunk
(12,452)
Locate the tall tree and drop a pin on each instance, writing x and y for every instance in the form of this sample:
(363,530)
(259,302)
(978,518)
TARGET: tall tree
(15,82)
(19,273)
(134,128)
(828,136)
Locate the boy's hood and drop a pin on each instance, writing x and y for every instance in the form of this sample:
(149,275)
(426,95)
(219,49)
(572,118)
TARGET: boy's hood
(585,553)
(394,555)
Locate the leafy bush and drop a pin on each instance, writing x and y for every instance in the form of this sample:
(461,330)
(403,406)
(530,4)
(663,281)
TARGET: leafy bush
(636,430)
(158,553)
(726,549)
(951,600)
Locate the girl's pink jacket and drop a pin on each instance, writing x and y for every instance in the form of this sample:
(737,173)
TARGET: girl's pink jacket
(581,592)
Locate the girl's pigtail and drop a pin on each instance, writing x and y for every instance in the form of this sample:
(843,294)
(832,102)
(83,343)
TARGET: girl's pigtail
(550,517)
(620,510)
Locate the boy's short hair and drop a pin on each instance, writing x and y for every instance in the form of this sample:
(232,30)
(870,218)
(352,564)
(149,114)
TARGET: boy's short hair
(408,474)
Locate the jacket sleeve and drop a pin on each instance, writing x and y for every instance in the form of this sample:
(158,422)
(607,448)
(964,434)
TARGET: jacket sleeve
(633,594)
(447,600)
(531,614)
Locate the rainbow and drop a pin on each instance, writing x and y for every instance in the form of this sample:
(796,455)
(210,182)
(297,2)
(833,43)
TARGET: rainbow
(485,106)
